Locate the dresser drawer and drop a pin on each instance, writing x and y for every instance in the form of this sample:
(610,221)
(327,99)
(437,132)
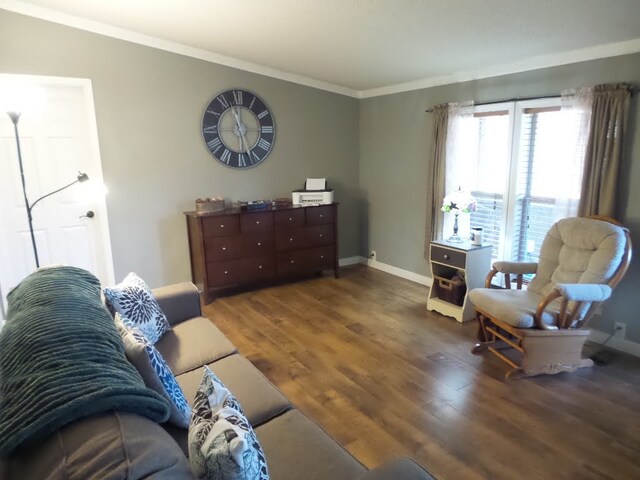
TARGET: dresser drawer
(304,261)
(258,222)
(320,215)
(221,226)
(289,218)
(223,248)
(244,270)
(447,256)
(304,237)
(238,246)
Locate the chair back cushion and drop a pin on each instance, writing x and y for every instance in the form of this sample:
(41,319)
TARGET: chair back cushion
(579,250)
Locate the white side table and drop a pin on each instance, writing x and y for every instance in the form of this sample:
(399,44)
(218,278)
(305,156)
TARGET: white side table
(448,259)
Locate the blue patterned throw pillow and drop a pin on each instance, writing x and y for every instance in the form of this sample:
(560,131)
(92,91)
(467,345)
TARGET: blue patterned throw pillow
(137,307)
(222,443)
(155,372)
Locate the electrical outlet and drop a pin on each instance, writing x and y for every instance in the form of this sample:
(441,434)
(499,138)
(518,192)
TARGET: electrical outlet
(619,330)
(372,255)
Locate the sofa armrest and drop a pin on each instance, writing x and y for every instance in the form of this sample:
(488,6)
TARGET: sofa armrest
(400,468)
(179,302)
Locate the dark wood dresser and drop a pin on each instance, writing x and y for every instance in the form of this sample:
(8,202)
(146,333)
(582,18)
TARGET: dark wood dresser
(233,248)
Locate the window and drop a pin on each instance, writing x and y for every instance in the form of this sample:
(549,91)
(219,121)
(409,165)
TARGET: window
(522,161)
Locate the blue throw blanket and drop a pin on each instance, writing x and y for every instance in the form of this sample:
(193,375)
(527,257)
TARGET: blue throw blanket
(62,359)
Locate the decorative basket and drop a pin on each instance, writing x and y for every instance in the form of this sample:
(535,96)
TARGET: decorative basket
(450,290)
(209,205)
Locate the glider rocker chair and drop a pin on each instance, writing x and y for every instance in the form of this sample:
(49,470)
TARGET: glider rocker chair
(581,261)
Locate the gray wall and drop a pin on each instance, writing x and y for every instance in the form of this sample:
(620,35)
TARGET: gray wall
(149,105)
(395,140)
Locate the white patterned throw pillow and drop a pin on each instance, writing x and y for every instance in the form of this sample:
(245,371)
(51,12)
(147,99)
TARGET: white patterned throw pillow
(155,372)
(222,443)
(137,306)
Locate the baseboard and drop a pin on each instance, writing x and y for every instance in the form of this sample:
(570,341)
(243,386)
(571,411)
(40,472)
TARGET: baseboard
(620,344)
(344,262)
(398,272)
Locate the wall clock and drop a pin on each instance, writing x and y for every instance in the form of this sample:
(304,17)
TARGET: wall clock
(238,128)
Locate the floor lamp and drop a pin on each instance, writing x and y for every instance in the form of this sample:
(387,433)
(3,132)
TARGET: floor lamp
(82,177)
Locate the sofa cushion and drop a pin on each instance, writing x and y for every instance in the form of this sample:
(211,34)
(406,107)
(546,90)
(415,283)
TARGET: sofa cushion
(135,303)
(260,400)
(192,344)
(155,373)
(222,444)
(298,448)
(106,446)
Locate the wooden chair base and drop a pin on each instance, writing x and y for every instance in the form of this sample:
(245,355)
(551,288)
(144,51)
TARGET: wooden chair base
(539,351)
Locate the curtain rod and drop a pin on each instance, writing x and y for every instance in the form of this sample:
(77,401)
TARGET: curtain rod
(634,89)
(518,99)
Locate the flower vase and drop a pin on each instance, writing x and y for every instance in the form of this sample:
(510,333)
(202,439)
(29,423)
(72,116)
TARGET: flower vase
(455,238)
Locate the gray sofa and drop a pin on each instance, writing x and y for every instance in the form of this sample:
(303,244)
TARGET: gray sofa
(117,445)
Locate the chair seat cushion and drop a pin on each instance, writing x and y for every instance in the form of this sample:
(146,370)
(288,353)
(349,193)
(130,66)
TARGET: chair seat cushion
(514,307)
(192,344)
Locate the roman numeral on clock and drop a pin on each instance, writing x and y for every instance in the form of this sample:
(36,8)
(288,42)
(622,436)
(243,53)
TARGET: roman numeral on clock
(223,101)
(263,114)
(242,162)
(264,145)
(214,144)
(267,129)
(237,97)
(226,156)
(211,129)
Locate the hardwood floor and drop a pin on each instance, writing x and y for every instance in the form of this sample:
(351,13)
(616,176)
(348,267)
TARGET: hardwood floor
(362,357)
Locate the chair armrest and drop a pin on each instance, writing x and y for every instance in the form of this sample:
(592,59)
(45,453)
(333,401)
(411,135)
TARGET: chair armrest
(401,468)
(179,302)
(584,292)
(517,268)
(508,268)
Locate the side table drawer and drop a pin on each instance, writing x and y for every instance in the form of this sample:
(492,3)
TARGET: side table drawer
(454,258)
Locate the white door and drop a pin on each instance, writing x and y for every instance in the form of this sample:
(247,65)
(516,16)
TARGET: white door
(57,142)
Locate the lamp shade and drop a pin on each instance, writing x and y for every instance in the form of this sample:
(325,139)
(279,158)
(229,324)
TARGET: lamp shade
(19,95)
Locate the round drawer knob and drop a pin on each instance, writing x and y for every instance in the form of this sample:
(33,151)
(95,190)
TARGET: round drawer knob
(259,243)
(321,216)
(292,261)
(320,235)
(321,256)
(222,226)
(291,239)
(224,248)
(257,222)
(259,267)
(225,272)
(290,219)
(446,257)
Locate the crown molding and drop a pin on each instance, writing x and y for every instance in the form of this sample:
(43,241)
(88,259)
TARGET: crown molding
(532,63)
(169,46)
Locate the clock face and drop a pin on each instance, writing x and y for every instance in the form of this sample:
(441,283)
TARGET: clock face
(238,129)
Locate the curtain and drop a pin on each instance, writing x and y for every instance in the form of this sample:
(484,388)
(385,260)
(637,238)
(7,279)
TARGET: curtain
(604,149)
(576,106)
(440,117)
(461,124)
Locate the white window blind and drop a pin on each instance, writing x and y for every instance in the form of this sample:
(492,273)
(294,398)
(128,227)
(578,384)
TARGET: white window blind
(523,164)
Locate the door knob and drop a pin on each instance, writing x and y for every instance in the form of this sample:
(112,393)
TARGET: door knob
(89,214)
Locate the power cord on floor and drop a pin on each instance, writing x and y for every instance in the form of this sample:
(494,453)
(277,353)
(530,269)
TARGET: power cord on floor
(604,356)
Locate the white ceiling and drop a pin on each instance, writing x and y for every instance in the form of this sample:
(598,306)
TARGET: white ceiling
(364,47)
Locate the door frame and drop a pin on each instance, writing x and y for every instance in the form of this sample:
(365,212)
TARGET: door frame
(95,159)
